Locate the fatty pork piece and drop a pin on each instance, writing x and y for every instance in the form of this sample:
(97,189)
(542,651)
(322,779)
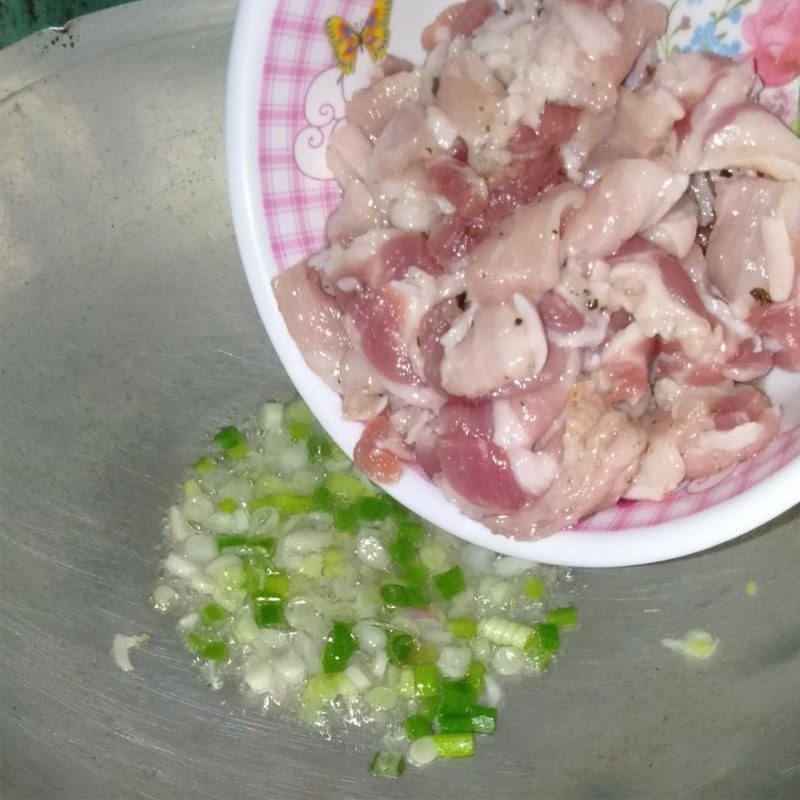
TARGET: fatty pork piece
(755,242)
(523,255)
(723,127)
(632,195)
(313,320)
(602,448)
(489,346)
(573,53)
(696,432)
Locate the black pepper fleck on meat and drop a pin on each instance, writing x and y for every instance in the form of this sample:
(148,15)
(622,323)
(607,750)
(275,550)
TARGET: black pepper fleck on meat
(591,304)
(435,83)
(461,300)
(518,321)
(760,295)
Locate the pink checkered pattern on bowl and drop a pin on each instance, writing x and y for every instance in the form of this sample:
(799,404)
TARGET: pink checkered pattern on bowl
(296,207)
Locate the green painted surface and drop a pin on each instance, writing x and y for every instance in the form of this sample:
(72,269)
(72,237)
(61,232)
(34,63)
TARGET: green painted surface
(20,18)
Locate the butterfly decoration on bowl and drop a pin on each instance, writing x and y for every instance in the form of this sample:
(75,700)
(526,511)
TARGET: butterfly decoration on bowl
(346,40)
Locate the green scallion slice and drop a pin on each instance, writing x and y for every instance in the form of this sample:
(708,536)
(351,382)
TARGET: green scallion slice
(339,648)
(566,617)
(232,442)
(213,613)
(454,745)
(450,583)
(269,613)
(387,765)
(417,726)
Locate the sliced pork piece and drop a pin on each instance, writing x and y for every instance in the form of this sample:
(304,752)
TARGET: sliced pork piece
(406,140)
(374,454)
(357,213)
(755,243)
(458,184)
(480,473)
(752,139)
(434,326)
(460,19)
(632,195)
(348,155)
(557,126)
(602,451)
(640,128)
(625,362)
(372,108)
(524,254)
(778,324)
(742,423)
(469,95)
(491,345)
(656,290)
(676,231)
(313,321)
(384,322)
(363,392)
(453,236)
(373,259)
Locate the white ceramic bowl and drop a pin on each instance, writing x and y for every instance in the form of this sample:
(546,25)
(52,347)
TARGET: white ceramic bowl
(283,100)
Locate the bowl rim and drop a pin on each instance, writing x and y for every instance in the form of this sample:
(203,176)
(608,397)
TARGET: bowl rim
(676,538)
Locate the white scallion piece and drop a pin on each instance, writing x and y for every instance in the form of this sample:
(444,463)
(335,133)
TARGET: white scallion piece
(122,646)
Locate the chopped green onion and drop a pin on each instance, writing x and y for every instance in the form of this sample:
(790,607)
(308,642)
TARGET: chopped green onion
(426,679)
(339,648)
(463,628)
(213,613)
(410,531)
(372,509)
(476,673)
(205,464)
(456,697)
(387,765)
(454,745)
(499,630)
(333,563)
(269,613)
(484,719)
(454,723)
(346,489)
(228,542)
(298,411)
(227,505)
(534,588)
(322,499)
(319,447)
(402,550)
(232,442)
(285,503)
(548,637)
(396,595)
(190,488)
(399,647)
(275,586)
(266,543)
(209,651)
(566,617)
(321,689)
(417,726)
(450,583)
(345,520)
(300,431)
(750,588)
(415,574)
(696,644)
(424,653)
